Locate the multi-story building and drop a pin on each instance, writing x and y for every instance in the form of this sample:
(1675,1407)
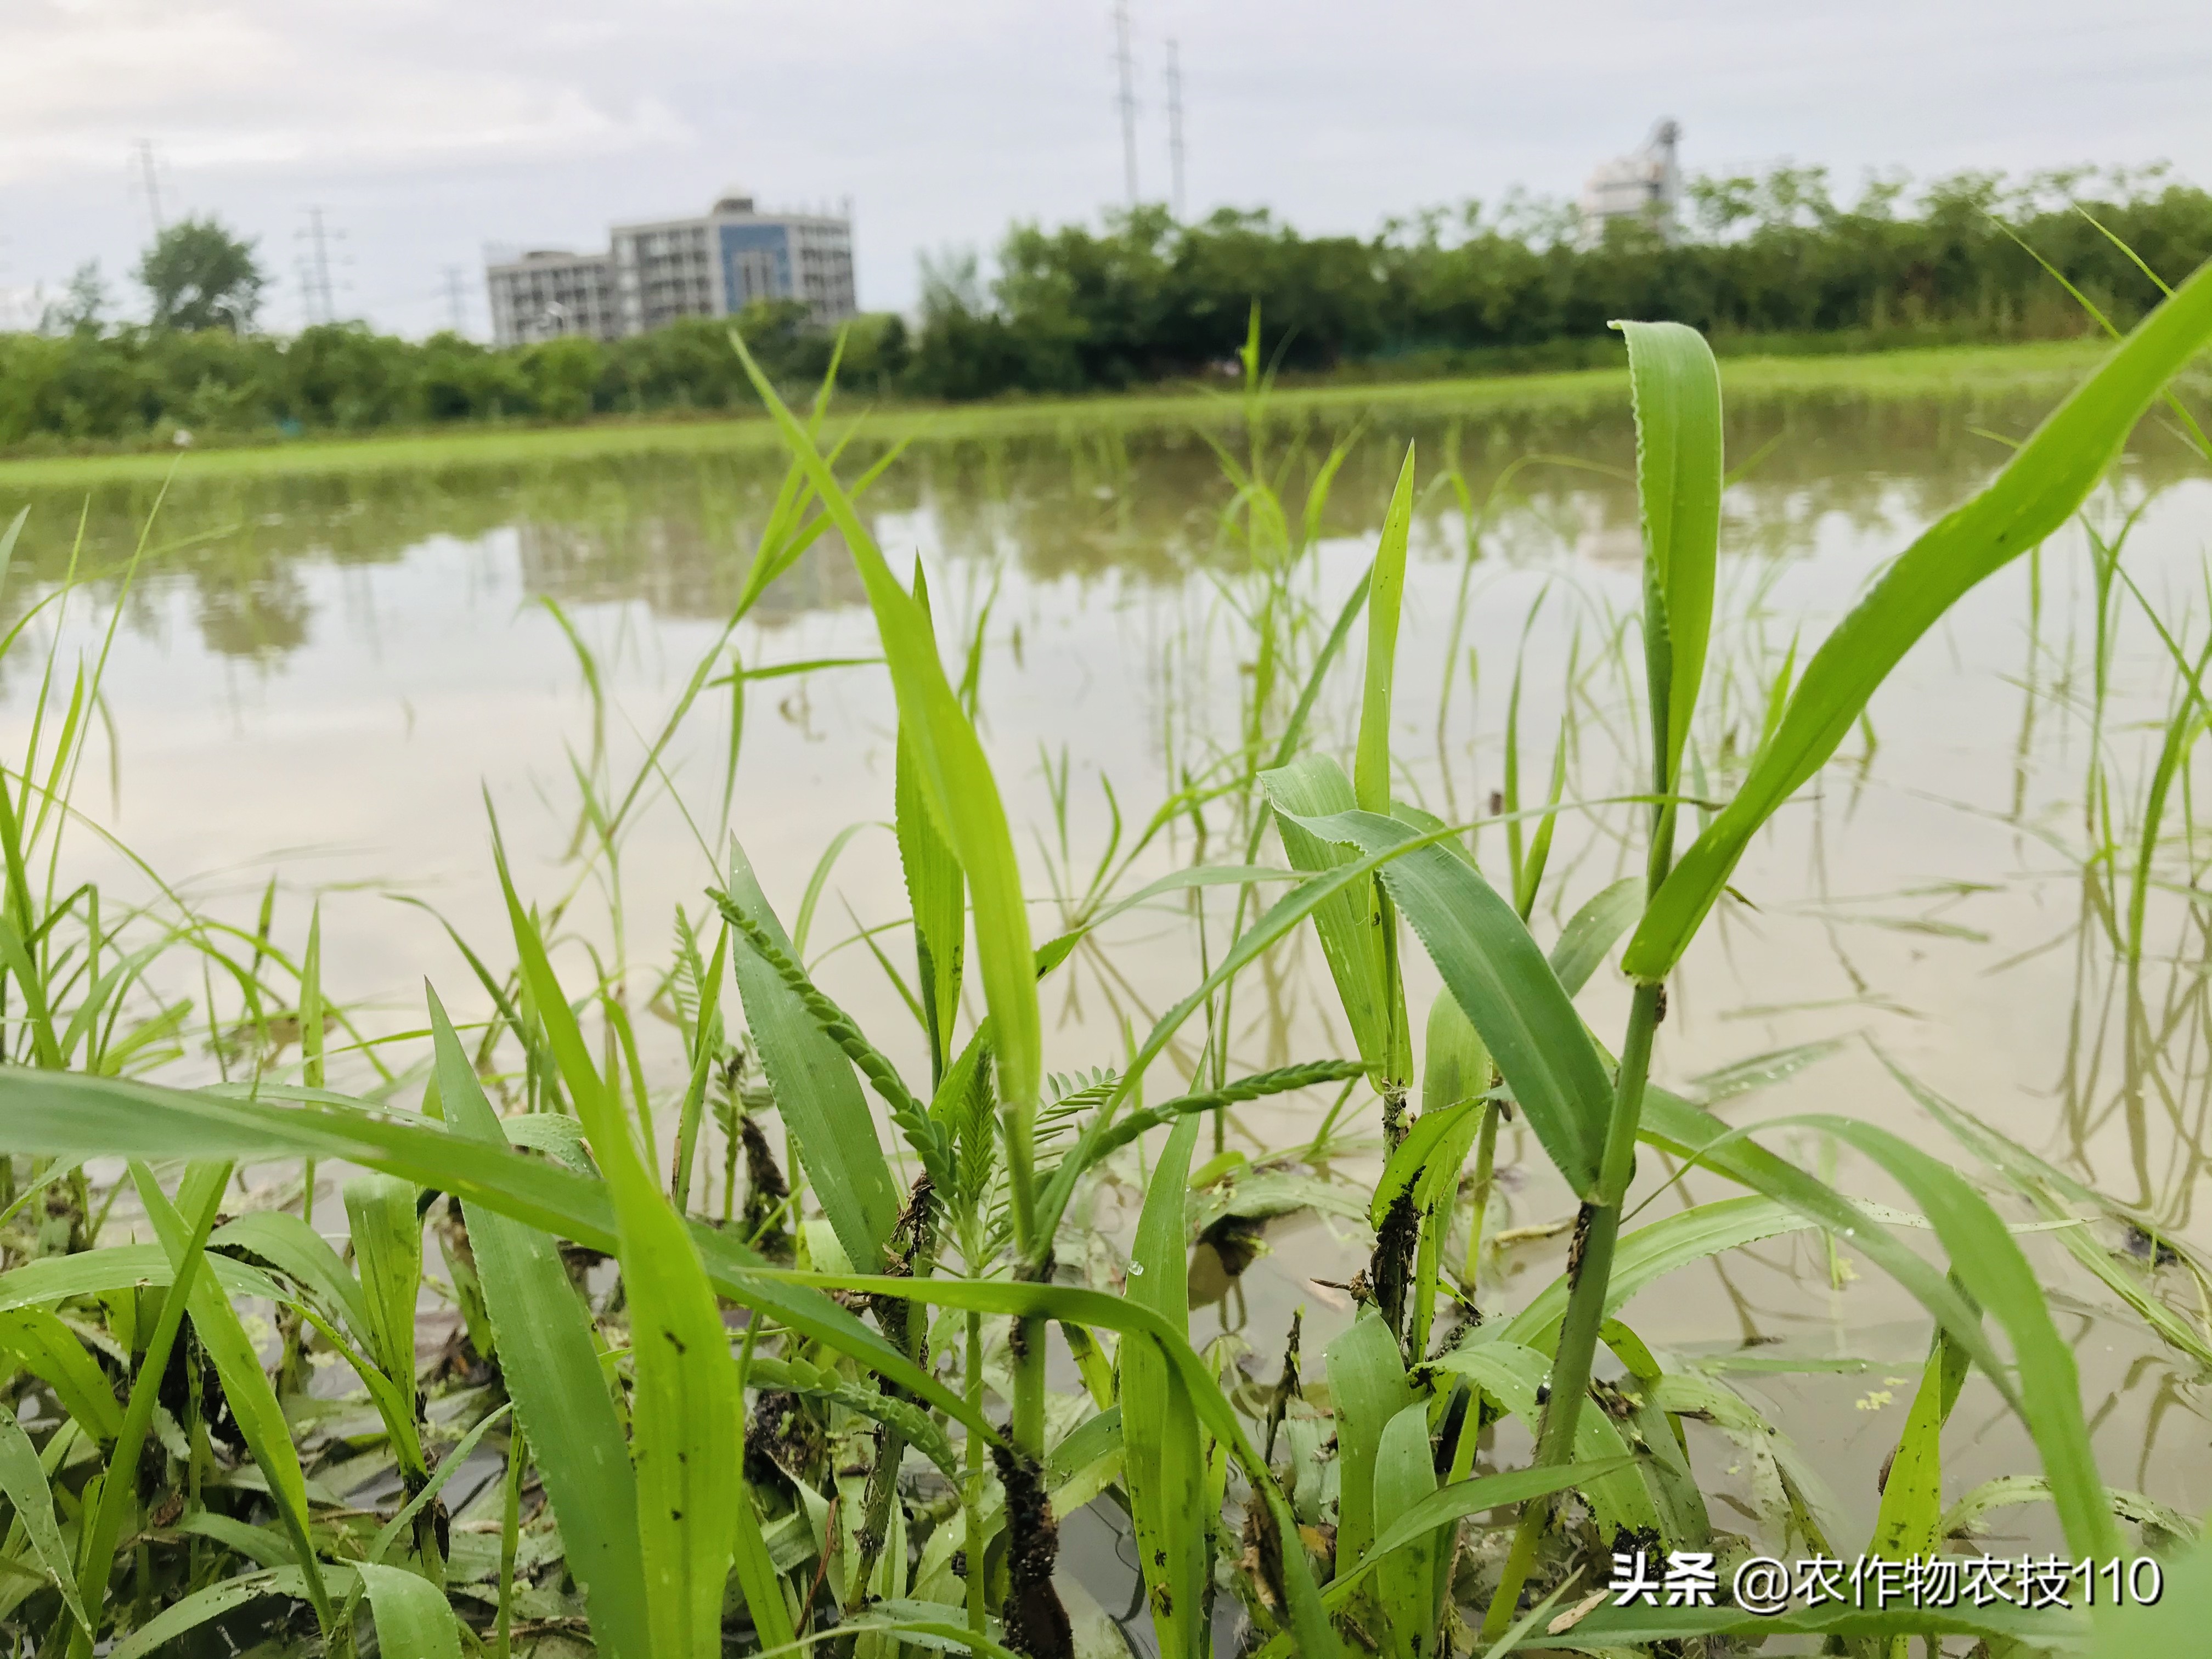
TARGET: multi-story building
(1646,187)
(714,265)
(549,292)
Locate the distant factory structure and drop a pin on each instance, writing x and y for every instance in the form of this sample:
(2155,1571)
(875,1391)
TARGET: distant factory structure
(1646,186)
(713,265)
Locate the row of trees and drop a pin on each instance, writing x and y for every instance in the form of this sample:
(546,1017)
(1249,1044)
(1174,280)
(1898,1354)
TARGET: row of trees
(1758,260)
(1772,261)
(90,384)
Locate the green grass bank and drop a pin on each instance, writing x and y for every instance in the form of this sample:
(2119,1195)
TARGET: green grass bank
(1946,371)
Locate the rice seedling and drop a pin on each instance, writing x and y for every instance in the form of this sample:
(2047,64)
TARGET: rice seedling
(853,1398)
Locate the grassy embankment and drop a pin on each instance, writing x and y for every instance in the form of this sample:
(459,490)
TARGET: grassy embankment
(2047,365)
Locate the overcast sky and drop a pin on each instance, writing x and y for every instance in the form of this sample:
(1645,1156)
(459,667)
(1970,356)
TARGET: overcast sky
(428,129)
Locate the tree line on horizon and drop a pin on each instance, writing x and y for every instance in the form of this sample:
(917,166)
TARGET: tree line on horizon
(1774,261)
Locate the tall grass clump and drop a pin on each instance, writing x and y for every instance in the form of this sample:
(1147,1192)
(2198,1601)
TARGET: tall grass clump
(849,1400)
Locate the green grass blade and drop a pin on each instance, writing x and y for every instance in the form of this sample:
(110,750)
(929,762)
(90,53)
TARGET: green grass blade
(1367,1381)
(550,1358)
(2055,1193)
(99,1532)
(1280,918)
(1504,986)
(292,1247)
(1163,1457)
(8,540)
(706,1053)
(448,1466)
(118,1266)
(412,1615)
(1371,771)
(2045,1391)
(1651,1253)
(1407,1579)
(1057,949)
(1346,924)
(1070,1304)
(23,1483)
(73,1114)
(1516,1377)
(2171,1628)
(1611,1630)
(203,1607)
(1674,388)
(311,1019)
(387,1244)
(1454,1064)
(1465,1498)
(961,791)
(1911,1511)
(936,891)
(1989,1263)
(816,1090)
(2046,479)
(685,1412)
(1435,1127)
(1685,1130)
(1593,930)
(1530,880)
(818,882)
(1444,1506)
(246,1386)
(1294,729)
(43,1346)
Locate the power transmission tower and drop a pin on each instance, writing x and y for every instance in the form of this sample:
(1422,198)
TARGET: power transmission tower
(317,303)
(1175,127)
(143,151)
(1127,65)
(455,301)
(851,257)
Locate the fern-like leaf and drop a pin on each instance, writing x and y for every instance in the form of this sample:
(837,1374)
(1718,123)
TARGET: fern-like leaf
(923,1134)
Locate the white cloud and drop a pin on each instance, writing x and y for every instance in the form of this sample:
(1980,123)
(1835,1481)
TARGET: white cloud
(263,86)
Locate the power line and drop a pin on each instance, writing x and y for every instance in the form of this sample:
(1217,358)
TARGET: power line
(1174,126)
(1127,67)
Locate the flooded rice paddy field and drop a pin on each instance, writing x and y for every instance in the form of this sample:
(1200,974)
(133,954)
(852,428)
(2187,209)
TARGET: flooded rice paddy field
(326,678)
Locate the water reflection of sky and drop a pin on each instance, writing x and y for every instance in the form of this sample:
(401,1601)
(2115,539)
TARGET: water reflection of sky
(330,678)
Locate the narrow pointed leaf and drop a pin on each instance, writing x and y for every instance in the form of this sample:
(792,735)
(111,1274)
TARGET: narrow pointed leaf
(246,1386)
(955,773)
(2046,479)
(1407,1581)
(549,1359)
(1163,1456)
(816,1090)
(292,1247)
(23,1483)
(684,1411)
(1504,986)
(412,1615)
(1347,923)
(1371,771)
(1367,1381)
(1674,387)
(107,1116)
